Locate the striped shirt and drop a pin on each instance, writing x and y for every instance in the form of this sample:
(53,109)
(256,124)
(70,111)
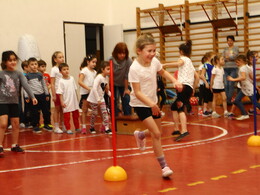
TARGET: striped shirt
(37,84)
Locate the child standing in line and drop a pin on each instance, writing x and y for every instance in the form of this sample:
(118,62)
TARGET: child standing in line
(42,69)
(217,85)
(201,87)
(57,59)
(10,82)
(41,93)
(96,98)
(86,80)
(246,84)
(143,98)
(206,76)
(68,98)
(188,76)
(25,116)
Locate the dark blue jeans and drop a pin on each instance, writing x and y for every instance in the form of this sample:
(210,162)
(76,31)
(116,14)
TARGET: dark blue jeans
(240,105)
(229,85)
(119,92)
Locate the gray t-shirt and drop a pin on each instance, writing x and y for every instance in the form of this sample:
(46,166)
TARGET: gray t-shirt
(10,86)
(232,54)
(121,70)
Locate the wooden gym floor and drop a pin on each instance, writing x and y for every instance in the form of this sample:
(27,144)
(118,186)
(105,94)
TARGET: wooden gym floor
(214,159)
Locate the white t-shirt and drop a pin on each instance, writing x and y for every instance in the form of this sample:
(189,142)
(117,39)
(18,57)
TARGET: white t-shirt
(89,77)
(146,77)
(186,72)
(68,87)
(219,78)
(98,90)
(246,85)
(55,73)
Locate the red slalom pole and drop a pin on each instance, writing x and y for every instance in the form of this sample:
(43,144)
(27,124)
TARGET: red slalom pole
(112,103)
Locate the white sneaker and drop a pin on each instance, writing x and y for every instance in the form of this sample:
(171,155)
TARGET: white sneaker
(226,114)
(69,132)
(215,115)
(58,130)
(166,172)
(9,127)
(22,125)
(140,143)
(162,113)
(242,117)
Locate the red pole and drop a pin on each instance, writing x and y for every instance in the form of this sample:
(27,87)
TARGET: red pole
(113,112)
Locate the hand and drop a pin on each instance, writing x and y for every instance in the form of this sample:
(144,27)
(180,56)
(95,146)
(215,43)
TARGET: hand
(27,100)
(63,105)
(47,98)
(127,91)
(177,85)
(54,98)
(229,78)
(207,85)
(155,110)
(34,101)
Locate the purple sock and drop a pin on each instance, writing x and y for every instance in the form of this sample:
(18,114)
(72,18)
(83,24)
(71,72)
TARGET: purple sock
(162,161)
(141,135)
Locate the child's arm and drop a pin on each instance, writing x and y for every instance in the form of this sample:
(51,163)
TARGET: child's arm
(242,77)
(212,80)
(147,101)
(196,81)
(62,101)
(202,76)
(179,63)
(27,88)
(53,89)
(81,83)
(168,76)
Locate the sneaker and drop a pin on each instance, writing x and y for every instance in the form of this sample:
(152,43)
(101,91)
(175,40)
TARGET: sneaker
(226,114)
(242,117)
(215,115)
(206,114)
(140,142)
(17,148)
(58,130)
(84,131)
(9,127)
(22,125)
(1,151)
(77,130)
(108,132)
(36,130)
(181,136)
(47,127)
(69,132)
(28,126)
(162,113)
(166,172)
(200,112)
(92,131)
(176,132)
(41,126)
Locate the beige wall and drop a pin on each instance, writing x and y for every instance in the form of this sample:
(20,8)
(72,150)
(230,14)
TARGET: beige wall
(43,19)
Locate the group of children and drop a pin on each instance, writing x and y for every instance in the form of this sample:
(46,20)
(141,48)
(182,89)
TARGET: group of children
(93,85)
(212,85)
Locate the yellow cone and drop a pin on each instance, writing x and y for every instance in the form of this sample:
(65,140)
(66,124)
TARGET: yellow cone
(115,173)
(253,140)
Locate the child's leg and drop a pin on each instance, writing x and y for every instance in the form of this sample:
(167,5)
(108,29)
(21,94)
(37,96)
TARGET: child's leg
(94,108)
(175,117)
(3,127)
(75,116)
(105,116)
(67,120)
(239,104)
(224,100)
(84,113)
(183,121)
(215,96)
(15,130)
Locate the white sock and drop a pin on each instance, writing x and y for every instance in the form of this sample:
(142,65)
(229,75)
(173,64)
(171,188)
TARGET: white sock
(13,145)
(84,126)
(56,125)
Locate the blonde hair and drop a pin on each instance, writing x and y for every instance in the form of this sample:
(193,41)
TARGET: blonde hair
(143,40)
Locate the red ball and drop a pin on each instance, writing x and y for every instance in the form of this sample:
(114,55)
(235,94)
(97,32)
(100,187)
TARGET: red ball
(193,101)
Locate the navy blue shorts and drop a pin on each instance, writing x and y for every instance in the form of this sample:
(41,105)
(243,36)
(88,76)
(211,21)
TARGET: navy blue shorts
(145,112)
(12,110)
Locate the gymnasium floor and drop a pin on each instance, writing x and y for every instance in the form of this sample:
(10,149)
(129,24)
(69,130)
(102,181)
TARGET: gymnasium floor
(214,159)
